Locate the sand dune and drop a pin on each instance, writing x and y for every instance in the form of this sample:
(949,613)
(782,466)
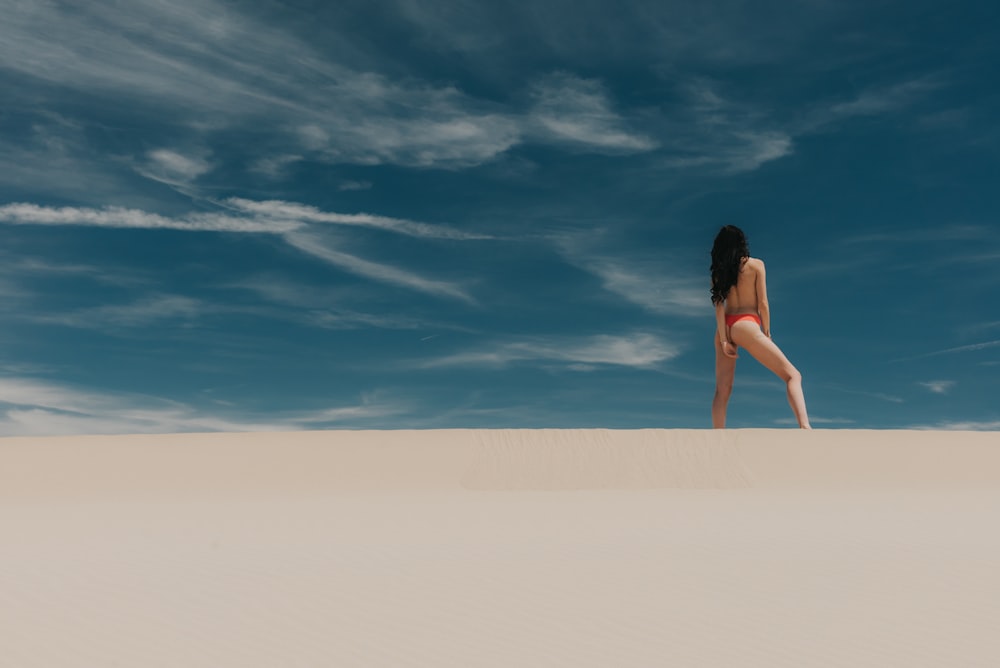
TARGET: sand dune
(501,548)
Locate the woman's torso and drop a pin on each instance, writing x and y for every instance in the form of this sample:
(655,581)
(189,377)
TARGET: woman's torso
(742,297)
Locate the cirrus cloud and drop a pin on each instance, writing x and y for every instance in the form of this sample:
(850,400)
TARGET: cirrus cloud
(638,350)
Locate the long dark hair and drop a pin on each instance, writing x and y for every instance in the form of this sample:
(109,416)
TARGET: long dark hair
(728,251)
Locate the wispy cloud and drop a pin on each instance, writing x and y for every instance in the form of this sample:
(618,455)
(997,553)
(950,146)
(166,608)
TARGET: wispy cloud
(323,307)
(112,216)
(938,386)
(291,211)
(883,99)
(709,130)
(272,217)
(972,347)
(204,69)
(215,68)
(647,282)
(982,326)
(877,100)
(639,350)
(18,266)
(313,245)
(955,244)
(449,137)
(578,111)
(218,70)
(370,409)
(40,408)
(34,407)
(650,287)
(882,396)
(712,130)
(146,312)
(55,157)
(742,151)
(173,168)
(275,166)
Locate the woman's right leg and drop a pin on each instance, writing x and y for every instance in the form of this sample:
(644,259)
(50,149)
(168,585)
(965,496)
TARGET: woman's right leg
(747,335)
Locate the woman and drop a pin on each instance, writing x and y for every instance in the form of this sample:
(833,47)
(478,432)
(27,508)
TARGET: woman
(739,292)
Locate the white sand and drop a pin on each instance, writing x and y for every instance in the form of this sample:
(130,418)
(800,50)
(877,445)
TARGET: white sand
(501,548)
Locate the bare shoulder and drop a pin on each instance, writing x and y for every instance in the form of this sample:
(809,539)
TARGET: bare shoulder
(755,264)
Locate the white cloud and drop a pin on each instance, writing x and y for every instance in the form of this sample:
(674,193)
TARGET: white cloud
(291,211)
(32,214)
(209,66)
(578,111)
(43,422)
(273,217)
(347,319)
(56,157)
(650,287)
(874,101)
(710,131)
(173,168)
(370,408)
(938,386)
(864,393)
(754,148)
(644,281)
(32,407)
(146,312)
(881,100)
(275,166)
(972,347)
(176,164)
(445,135)
(640,350)
(40,408)
(380,272)
(321,306)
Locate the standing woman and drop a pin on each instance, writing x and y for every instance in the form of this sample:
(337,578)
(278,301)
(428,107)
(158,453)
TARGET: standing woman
(739,293)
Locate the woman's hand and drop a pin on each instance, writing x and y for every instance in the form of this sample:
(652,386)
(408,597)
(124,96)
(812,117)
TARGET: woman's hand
(729,349)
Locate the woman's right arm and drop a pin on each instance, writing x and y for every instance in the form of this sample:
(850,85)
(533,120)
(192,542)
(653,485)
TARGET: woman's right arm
(762,306)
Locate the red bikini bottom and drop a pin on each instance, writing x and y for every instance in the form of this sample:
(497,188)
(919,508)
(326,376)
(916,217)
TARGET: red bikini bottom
(736,317)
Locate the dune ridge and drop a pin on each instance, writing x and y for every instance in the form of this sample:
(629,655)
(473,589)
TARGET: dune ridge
(515,459)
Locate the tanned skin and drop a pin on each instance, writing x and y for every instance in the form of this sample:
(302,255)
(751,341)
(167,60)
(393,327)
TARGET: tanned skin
(749,295)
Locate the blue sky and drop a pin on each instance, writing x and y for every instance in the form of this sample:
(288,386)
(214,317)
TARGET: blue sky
(401,214)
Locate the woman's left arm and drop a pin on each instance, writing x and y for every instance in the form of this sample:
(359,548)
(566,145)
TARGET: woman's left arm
(720,322)
(728,347)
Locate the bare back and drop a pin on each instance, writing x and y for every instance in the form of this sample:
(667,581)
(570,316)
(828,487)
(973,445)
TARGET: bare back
(748,293)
